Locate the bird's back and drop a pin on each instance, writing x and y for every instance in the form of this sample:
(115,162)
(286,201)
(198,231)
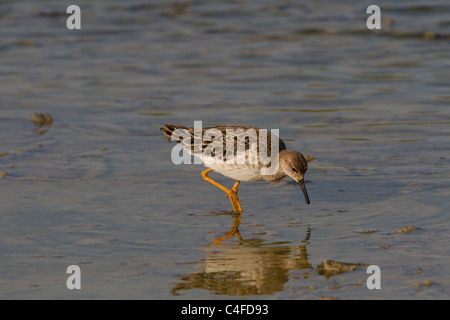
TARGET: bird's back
(217,138)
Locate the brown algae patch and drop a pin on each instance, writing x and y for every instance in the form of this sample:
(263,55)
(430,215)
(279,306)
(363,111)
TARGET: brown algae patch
(309,158)
(407,229)
(40,119)
(422,285)
(329,268)
(328,298)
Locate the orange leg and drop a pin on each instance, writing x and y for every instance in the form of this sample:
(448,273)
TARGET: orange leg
(233,231)
(231,194)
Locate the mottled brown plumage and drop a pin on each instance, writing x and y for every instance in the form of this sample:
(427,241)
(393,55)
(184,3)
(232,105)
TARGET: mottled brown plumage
(243,131)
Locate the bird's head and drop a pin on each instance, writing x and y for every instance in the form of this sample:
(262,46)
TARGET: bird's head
(294,165)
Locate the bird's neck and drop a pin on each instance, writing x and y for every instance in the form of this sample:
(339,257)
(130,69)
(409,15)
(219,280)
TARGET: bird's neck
(278,175)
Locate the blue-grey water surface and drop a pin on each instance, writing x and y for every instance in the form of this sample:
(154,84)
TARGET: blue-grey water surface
(97,187)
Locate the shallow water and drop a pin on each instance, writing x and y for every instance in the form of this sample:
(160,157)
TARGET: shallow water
(97,188)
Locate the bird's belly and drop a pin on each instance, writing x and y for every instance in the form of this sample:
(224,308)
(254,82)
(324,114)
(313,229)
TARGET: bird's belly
(239,172)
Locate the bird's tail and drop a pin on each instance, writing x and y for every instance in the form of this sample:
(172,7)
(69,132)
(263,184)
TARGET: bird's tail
(170,128)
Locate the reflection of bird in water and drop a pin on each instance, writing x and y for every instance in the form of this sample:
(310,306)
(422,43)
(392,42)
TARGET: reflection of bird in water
(234,230)
(251,268)
(250,157)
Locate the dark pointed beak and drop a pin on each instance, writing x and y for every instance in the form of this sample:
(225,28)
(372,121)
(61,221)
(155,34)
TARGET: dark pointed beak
(305,193)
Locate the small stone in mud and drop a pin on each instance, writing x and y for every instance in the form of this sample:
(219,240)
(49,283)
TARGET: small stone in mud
(41,119)
(407,229)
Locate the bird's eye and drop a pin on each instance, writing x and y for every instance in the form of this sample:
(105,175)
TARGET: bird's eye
(293,169)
